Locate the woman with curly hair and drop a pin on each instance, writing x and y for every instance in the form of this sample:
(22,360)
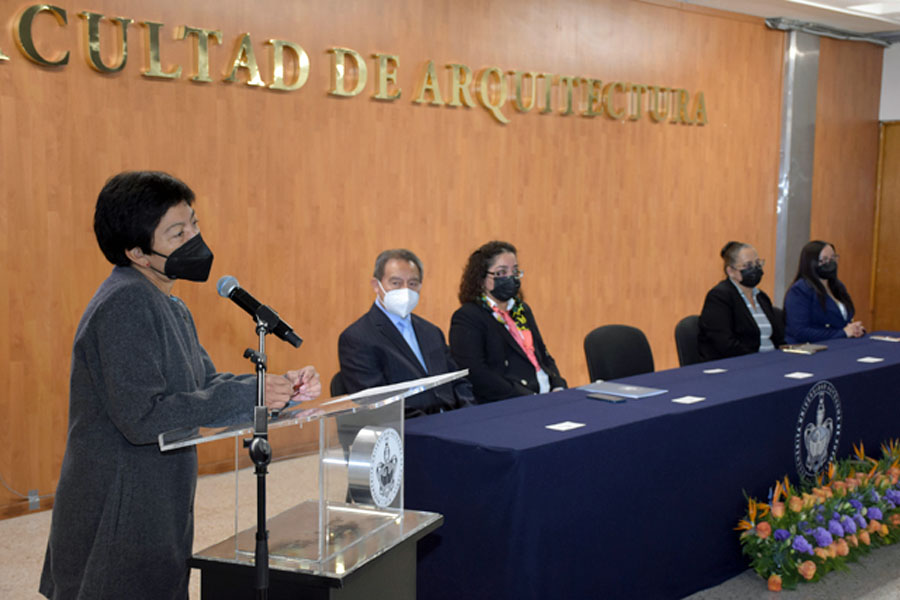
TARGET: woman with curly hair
(494,333)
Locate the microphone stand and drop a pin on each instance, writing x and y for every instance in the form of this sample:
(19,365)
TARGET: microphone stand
(260,449)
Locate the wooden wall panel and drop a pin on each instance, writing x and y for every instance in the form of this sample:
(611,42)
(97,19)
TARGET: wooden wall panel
(886,276)
(846,160)
(616,221)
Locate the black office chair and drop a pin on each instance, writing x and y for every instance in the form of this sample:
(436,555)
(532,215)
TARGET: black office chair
(336,387)
(615,351)
(686,342)
(779,316)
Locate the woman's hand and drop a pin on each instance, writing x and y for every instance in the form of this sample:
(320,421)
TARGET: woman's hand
(855,329)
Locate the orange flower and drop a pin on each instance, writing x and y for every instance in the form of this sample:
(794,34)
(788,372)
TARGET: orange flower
(807,569)
(842,548)
(851,483)
(852,540)
(822,553)
(864,537)
(840,488)
(895,519)
(796,503)
(873,526)
(763,530)
(774,583)
(832,550)
(884,530)
(778,509)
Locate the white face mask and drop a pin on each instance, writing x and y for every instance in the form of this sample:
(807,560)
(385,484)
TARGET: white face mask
(400,302)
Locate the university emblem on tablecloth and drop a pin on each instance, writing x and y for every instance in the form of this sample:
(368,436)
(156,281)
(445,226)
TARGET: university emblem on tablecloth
(818,430)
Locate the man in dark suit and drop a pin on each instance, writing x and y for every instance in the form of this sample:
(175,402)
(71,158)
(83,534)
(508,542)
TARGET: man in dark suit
(389,344)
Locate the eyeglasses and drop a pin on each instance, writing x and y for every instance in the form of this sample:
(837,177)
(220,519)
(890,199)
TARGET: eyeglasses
(834,259)
(504,272)
(758,263)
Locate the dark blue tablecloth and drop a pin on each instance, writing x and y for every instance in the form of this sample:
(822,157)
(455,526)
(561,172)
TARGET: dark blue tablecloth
(640,502)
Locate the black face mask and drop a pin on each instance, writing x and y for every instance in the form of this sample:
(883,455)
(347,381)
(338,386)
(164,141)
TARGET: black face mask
(505,288)
(751,276)
(827,271)
(192,260)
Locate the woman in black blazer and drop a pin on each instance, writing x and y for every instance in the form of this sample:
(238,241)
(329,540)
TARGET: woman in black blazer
(494,333)
(737,317)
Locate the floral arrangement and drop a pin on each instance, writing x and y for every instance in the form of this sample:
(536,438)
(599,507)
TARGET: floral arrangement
(806,531)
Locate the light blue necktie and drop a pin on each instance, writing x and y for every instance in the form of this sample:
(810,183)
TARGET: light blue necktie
(409,335)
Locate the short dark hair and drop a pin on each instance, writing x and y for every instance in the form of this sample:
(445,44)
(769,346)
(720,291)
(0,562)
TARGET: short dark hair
(471,285)
(399,254)
(130,207)
(806,269)
(730,253)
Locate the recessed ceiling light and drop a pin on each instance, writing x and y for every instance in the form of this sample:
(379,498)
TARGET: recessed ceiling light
(855,11)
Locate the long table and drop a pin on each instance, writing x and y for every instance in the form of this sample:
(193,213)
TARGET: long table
(640,501)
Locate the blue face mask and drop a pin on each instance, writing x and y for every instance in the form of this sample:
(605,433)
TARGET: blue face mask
(191,261)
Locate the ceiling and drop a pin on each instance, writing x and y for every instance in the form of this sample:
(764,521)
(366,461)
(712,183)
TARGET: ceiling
(857,16)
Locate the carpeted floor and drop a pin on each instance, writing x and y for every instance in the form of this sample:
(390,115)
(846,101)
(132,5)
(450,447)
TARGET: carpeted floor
(875,577)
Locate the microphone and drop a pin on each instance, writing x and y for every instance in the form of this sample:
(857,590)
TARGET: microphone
(229,288)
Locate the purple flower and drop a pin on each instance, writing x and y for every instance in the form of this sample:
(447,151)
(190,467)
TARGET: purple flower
(822,537)
(820,519)
(801,545)
(804,527)
(893,496)
(874,513)
(856,504)
(848,525)
(859,520)
(781,535)
(835,529)
(874,495)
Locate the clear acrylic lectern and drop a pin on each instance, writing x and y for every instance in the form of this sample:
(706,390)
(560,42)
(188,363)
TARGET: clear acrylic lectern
(358,513)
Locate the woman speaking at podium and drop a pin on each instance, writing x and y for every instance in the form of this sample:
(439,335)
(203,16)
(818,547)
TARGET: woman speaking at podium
(122,522)
(494,333)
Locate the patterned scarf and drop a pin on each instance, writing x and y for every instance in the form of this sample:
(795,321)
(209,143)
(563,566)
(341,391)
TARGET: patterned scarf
(517,326)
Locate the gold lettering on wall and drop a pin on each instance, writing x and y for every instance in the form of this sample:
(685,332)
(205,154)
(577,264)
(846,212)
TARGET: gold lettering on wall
(699,111)
(387,67)
(680,107)
(548,92)
(201,49)
(460,80)
(342,73)
(637,91)
(518,86)
(429,83)
(25,41)
(592,93)
(569,82)
(609,104)
(659,104)
(92,41)
(278,81)
(153,63)
(493,95)
(245,58)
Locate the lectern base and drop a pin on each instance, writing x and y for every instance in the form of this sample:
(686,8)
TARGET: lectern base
(388,572)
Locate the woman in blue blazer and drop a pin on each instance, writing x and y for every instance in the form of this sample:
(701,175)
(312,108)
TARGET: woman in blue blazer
(817,306)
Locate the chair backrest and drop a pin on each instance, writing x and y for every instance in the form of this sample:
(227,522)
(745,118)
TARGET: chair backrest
(686,340)
(779,316)
(615,351)
(337,385)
